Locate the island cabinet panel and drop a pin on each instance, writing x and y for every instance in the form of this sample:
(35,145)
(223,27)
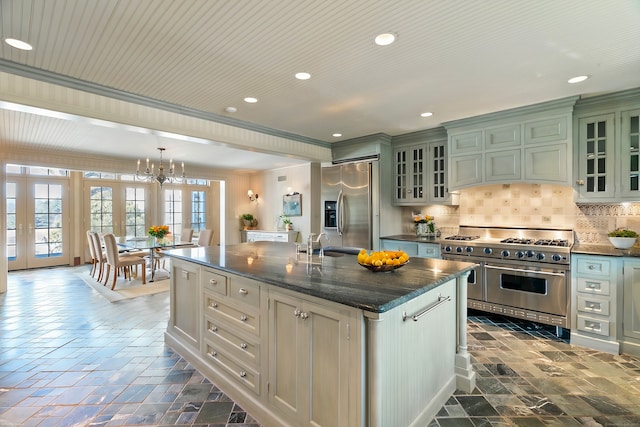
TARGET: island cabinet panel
(425,363)
(631,316)
(311,361)
(184,317)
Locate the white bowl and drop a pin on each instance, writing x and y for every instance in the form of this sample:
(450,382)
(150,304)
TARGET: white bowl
(622,242)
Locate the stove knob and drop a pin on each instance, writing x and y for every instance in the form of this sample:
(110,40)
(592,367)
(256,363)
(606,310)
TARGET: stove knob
(469,249)
(487,251)
(447,248)
(530,254)
(540,256)
(519,254)
(459,249)
(556,257)
(505,253)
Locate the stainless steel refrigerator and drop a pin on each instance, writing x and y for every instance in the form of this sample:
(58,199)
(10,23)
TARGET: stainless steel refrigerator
(346,200)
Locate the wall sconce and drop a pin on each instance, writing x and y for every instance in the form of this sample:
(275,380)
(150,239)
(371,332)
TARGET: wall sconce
(252,197)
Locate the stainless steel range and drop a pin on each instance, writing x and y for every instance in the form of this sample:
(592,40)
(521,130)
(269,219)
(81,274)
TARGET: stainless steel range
(523,272)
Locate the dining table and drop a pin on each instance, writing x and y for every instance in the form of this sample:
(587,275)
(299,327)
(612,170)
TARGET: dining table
(135,244)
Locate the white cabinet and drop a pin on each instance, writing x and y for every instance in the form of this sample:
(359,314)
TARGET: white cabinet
(631,317)
(413,249)
(420,168)
(607,148)
(268,236)
(594,322)
(311,358)
(530,144)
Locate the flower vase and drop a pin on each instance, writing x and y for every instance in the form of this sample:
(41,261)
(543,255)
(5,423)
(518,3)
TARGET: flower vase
(424,229)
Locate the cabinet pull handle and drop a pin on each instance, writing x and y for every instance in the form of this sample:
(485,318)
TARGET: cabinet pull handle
(243,318)
(243,346)
(417,316)
(243,374)
(213,282)
(243,291)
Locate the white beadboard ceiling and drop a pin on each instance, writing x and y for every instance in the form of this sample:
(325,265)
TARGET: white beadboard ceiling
(455,58)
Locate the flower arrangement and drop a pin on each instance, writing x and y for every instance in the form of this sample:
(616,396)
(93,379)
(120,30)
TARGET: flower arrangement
(159,231)
(424,225)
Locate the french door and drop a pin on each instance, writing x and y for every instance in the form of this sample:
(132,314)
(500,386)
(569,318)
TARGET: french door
(117,208)
(37,222)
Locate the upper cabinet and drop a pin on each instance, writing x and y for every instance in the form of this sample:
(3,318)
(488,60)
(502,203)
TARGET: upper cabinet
(529,144)
(606,151)
(420,168)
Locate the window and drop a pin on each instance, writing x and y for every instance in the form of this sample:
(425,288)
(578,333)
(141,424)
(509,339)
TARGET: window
(11,221)
(101,209)
(48,220)
(173,209)
(198,210)
(134,212)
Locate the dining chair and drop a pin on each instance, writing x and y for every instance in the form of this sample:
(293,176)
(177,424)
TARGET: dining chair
(186,236)
(205,237)
(116,261)
(92,253)
(100,255)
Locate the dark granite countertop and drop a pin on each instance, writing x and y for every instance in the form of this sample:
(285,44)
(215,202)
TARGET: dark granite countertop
(413,238)
(605,250)
(339,279)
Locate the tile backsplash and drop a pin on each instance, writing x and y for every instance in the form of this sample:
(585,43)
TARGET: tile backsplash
(531,206)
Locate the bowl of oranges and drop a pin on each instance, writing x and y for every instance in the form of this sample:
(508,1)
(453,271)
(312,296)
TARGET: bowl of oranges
(382,260)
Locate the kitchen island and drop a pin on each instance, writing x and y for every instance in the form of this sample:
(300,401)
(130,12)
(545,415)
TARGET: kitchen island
(299,340)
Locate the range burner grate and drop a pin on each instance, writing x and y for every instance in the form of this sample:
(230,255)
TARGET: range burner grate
(552,242)
(517,240)
(461,237)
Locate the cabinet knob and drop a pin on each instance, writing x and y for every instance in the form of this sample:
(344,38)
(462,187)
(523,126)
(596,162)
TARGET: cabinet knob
(304,316)
(297,312)
(243,346)
(213,329)
(243,374)
(213,282)
(213,353)
(243,291)
(243,318)
(214,305)
(580,182)
(592,267)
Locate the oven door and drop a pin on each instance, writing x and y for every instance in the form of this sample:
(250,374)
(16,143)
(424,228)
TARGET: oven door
(531,287)
(474,281)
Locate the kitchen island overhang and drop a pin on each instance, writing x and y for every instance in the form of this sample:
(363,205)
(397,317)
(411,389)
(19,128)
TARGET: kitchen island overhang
(386,330)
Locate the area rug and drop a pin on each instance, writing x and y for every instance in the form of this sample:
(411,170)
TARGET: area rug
(125,288)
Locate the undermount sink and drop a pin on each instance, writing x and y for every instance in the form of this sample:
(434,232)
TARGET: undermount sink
(333,253)
(338,251)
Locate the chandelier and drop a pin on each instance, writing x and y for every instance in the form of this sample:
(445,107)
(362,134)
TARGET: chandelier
(150,175)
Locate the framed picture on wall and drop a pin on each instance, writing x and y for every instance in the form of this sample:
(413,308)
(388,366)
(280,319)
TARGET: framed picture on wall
(292,204)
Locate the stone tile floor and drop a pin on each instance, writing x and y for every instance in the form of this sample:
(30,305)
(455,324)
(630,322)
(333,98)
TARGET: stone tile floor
(70,358)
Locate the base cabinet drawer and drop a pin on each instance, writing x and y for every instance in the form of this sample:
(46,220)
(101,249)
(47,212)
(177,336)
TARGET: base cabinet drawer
(219,334)
(240,373)
(594,286)
(217,308)
(593,325)
(588,304)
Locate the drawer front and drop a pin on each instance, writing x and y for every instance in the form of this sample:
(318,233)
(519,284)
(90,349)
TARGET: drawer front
(214,281)
(594,286)
(241,374)
(593,326)
(245,320)
(281,237)
(588,304)
(244,291)
(594,266)
(426,250)
(246,350)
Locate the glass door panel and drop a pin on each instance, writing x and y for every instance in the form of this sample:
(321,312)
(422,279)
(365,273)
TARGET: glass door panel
(16,220)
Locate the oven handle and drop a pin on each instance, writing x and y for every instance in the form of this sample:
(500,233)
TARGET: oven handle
(520,270)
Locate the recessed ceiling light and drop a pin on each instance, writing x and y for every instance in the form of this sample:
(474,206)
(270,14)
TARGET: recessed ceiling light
(18,44)
(303,76)
(230,109)
(577,79)
(337,135)
(385,39)
(426,114)
(251,100)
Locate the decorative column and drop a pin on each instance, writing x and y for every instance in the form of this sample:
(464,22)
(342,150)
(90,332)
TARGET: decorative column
(465,375)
